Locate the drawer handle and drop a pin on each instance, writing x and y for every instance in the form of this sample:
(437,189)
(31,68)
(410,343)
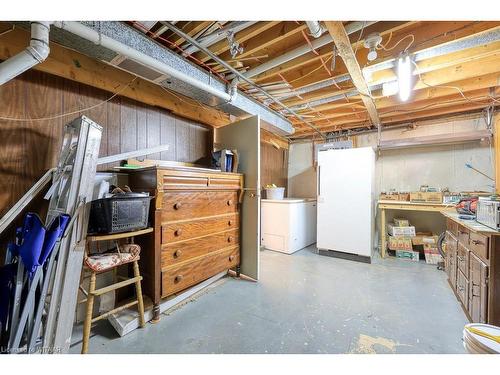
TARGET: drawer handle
(177,206)
(231,258)
(177,253)
(178,278)
(476,242)
(460,288)
(178,232)
(230,239)
(229,202)
(230,222)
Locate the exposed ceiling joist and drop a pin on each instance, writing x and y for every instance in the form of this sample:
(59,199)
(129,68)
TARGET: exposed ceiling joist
(345,51)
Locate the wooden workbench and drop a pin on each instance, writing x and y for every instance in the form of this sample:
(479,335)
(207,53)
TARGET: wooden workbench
(471,225)
(384,205)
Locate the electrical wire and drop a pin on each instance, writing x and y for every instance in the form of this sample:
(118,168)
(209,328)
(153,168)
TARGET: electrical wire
(8,31)
(312,71)
(449,87)
(196,103)
(60,115)
(385,48)
(359,38)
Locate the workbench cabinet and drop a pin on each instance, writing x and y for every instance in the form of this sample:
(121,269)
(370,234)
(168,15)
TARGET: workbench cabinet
(472,263)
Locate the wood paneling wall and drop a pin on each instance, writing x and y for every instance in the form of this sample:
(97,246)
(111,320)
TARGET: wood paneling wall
(28,149)
(273,166)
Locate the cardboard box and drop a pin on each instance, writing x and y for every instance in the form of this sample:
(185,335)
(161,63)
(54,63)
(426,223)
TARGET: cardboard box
(431,258)
(401,222)
(401,231)
(419,238)
(430,241)
(410,255)
(426,197)
(404,196)
(388,197)
(399,243)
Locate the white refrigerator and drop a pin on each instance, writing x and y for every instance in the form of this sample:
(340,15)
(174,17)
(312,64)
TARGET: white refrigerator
(345,221)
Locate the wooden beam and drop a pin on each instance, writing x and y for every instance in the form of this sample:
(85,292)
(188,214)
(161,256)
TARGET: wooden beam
(77,67)
(341,40)
(298,69)
(440,112)
(469,55)
(332,110)
(426,34)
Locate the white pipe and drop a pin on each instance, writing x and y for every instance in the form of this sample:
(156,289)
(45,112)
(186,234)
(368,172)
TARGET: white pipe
(122,49)
(302,50)
(34,54)
(218,35)
(315,28)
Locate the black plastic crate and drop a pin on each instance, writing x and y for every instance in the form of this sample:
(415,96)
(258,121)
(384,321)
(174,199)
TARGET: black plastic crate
(120,213)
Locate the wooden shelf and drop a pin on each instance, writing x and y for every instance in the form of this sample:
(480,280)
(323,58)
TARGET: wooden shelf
(117,236)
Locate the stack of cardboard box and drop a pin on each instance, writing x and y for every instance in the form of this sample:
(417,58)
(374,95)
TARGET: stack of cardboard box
(432,255)
(406,242)
(400,239)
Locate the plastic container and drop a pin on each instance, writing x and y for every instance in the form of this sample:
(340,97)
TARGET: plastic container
(120,213)
(275,193)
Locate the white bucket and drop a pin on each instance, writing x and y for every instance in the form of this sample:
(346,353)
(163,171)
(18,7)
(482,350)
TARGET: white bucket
(477,344)
(275,193)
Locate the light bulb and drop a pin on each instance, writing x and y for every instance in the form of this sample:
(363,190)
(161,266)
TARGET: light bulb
(372,54)
(404,77)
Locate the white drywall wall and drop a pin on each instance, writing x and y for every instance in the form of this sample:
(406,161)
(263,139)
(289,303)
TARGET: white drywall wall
(407,169)
(438,166)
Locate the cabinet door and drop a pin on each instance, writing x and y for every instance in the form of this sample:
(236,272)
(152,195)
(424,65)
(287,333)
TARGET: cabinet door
(451,253)
(462,288)
(478,289)
(244,136)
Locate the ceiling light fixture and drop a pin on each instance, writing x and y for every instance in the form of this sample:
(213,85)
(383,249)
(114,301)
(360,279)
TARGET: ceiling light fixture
(371,42)
(404,77)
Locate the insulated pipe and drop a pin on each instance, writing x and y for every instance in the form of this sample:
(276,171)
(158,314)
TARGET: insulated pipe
(34,54)
(302,50)
(122,49)
(315,28)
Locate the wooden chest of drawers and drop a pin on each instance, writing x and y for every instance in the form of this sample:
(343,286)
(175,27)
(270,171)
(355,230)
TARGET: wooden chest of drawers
(196,221)
(473,266)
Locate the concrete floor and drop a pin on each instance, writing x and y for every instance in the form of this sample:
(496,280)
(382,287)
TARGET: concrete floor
(306,303)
